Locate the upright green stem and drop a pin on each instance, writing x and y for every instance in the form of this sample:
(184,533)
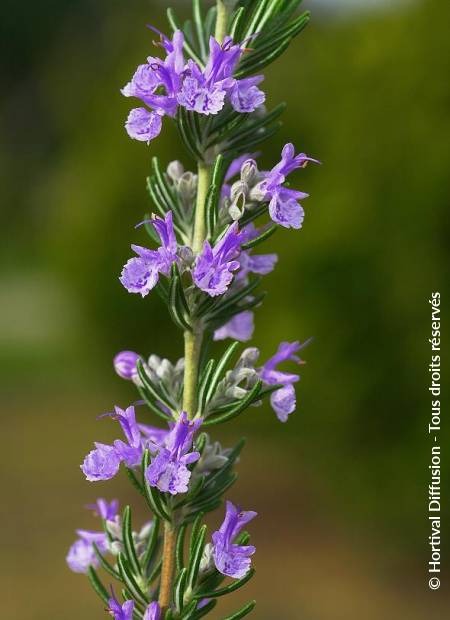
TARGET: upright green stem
(192,341)
(222,21)
(203,179)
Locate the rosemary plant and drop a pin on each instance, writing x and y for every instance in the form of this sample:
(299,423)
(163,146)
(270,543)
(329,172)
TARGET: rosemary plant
(204,268)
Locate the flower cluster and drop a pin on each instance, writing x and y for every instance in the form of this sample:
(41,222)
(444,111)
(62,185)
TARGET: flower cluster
(103,463)
(215,267)
(164,84)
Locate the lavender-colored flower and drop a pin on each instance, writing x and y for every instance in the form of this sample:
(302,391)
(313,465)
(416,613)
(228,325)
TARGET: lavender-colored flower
(231,559)
(240,327)
(201,94)
(118,611)
(205,91)
(213,270)
(132,451)
(81,556)
(168,470)
(141,274)
(261,264)
(153,612)
(286,352)
(125,364)
(101,464)
(156,83)
(245,96)
(104,509)
(283,402)
(284,208)
(143,125)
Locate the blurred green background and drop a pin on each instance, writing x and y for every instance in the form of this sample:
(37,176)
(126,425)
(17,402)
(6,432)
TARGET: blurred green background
(342,488)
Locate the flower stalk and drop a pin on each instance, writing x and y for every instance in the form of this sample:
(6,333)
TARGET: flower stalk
(222,20)
(202,261)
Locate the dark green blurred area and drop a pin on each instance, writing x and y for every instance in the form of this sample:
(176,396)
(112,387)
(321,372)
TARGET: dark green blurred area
(342,488)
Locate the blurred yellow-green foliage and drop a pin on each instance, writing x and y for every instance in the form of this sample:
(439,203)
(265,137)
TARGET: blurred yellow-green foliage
(342,488)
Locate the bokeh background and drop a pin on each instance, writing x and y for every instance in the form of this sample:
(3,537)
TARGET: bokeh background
(342,488)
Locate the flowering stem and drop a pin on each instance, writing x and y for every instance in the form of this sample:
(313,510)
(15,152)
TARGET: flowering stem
(193,339)
(204,173)
(167,566)
(192,347)
(221,22)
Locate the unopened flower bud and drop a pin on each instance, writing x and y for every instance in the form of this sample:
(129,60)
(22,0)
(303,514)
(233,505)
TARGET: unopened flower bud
(186,255)
(174,170)
(249,171)
(125,364)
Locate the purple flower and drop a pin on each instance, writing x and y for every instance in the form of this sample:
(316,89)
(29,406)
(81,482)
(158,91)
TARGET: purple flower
(284,208)
(231,559)
(205,91)
(141,274)
(131,452)
(200,94)
(143,125)
(105,510)
(125,364)
(153,612)
(245,96)
(214,266)
(101,464)
(240,327)
(81,556)
(283,401)
(168,470)
(157,84)
(286,352)
(118,611)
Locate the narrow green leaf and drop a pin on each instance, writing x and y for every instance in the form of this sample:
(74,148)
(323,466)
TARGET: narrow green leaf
(194,532)
(228,589)
(220,369)
(260,238)
(155,572)
(241,612)
(128,542)
(204,384)
(151,387)
(234,299)
(129,580)
(179,549)
(244,403)
(104,563)
(175,25)
(98,585)
(200,613)
(134,481)
(236,23)
(179,589)
(253,25)
(195,557)
(188,611)
(152,544)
